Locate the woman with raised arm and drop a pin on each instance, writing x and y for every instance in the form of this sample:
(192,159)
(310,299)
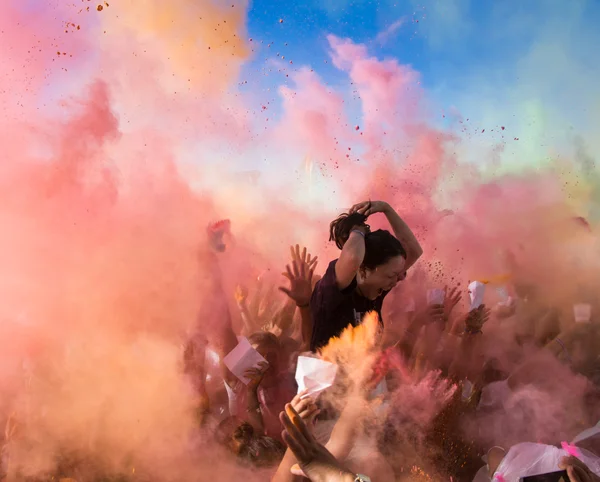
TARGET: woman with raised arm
(369,266)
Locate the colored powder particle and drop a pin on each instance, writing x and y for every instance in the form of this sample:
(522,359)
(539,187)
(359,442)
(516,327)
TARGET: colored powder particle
(357,128)
(280,20)
(99,8)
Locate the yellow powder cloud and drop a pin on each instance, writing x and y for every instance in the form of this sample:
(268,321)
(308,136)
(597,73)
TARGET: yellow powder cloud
(198,42)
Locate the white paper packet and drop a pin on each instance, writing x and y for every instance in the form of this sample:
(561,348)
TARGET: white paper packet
(314,375)
(242,358)
(582,312)
(476,292)
(435,296)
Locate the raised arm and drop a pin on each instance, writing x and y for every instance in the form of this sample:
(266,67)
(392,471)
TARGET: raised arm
(300,275)
(405,236)
(401,230)
(216,315)
(353,254)
(307,410)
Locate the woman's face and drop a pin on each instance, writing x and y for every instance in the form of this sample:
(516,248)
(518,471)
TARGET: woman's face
(372,283)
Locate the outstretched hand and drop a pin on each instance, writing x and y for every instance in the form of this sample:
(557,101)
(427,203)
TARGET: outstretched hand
(241,294)
(305,407)
(303,256)
(477,318)
(314,459)
(451,300)
(300,274)
(256,375)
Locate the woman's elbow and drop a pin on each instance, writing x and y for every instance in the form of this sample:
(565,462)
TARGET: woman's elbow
(418,251)
(413,255)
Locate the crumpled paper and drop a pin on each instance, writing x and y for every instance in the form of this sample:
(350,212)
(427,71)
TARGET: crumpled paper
(242,358)
(314,375)
(476,292)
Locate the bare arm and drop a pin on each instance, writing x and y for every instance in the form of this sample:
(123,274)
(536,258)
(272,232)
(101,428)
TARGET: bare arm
(241,297)
(300,274)
(253,410)
(284,473)
(351,258)
(226,340)
(405,236)
(217,317)
(346,429)
(307,410)
(401,230)
(307,326)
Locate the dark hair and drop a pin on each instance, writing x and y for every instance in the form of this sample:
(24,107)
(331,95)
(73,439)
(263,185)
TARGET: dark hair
(340,228)
(380,245)
(252,449)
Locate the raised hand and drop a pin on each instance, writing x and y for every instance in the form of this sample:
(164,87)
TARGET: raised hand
(370,207)
(451,300)
(256,375)
(436,314)
(300,275)
(303,256)
(305,407)
(477,318)
(241,294)
(314,459)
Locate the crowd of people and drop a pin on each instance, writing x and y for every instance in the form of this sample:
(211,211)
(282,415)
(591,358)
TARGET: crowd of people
(429,382)
(422,391)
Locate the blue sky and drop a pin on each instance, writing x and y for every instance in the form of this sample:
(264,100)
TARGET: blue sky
(437,36)
(531,65)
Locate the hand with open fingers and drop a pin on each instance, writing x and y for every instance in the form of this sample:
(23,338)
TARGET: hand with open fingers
(303,257)
(477,318)
(577,470)
(300,275)
(370,207)
(306,408)
(436,314)
(451,300)
(256,375)
(313,458)
(241,294)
